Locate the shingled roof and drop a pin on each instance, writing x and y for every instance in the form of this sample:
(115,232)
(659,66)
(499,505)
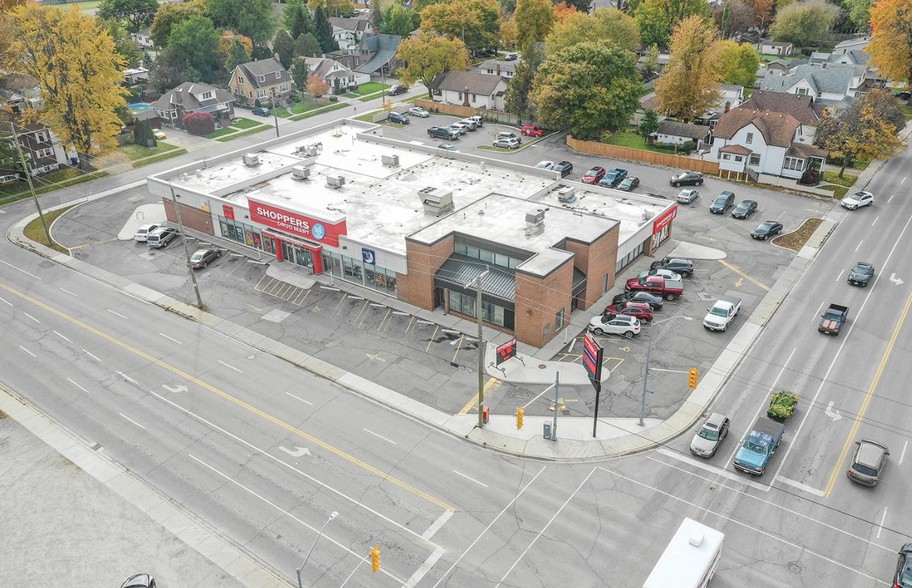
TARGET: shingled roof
(270,69)
(679,129)
(777,129)
(801,107)
(458,81)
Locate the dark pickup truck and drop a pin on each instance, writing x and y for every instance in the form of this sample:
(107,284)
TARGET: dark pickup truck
(443,133)
(832,320)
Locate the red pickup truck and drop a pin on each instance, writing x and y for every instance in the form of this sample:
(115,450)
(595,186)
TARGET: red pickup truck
(668,289)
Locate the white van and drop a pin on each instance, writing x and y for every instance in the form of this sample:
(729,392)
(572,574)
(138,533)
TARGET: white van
(690,559)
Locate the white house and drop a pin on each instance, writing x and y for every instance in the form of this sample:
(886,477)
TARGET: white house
(143,39)
(336,75)
(470,88)
(767,47)
(678,133)
(826,82)
(348,31)
(495,67)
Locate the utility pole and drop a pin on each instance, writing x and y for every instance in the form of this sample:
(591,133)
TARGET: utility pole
(180,223)
(28,178)
(275,117)
(556,398)
(481,348)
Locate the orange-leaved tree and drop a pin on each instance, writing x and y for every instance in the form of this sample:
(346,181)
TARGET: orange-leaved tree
(891,39)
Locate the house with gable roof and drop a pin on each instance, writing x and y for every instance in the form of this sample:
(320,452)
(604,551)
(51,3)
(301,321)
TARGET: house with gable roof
(264,80)
(189,97)
(470,88)
(348,31)
(336,75)
(829,83)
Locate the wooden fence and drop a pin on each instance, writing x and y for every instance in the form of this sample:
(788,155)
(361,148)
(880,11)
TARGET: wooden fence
(631,154)
(465,111)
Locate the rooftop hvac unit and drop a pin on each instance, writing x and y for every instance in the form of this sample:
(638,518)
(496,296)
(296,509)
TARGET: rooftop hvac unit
(566,194)
(389,160)
(309,149)
(335,182)
(299,172)
(535,223)
(251,159)
(436,202)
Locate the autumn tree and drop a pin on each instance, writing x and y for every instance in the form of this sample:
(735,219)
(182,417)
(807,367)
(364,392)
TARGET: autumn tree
(77,69)
(226,43)
(562,11)
(283,46)
(476,22)
(508,31)
(802,22)
(399,20)
(323,31)
(859,13)
(734,63)
(689,86)
(587,88)
(866,130)
(138,14)
(516,100)
(307,46)
(427,56)
(237,55)
(376,15)
(251,18)
(762,11)
(170,14)
(651,61)
(581,5)
(332,7)
(534,19)
(657,18)
(297,19)
(317,86)
(192,48)
(891,39)
(606,24)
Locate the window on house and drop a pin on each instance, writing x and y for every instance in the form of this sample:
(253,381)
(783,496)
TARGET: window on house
(474,98)
(794,164)
(738,158)
(801,91)
(283,88)
(262,78)
(460,97)
(559,320)
(754,160)
(207,95)
(261,93)
(726,157)
(41,137)
(240,80)
(750,138)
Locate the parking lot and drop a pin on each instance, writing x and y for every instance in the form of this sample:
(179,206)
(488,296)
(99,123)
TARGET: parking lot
(437,366)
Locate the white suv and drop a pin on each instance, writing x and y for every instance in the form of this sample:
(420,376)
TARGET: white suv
(507,143)
(142,233)
(615,324)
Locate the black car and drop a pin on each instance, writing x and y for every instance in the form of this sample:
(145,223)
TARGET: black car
(396,117)
(745,209)
(654,302)
(722,203)
(396,90)
(690,178)
(766,230)
(629,183)
(139,581)
(679,265)
(443,133)
(565,168)
(203,257)
(261,111)
(861,274)
(903,577)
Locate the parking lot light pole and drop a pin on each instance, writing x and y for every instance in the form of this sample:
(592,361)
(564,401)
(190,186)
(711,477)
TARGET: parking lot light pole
(481,348)
(180,223)
(646,389)
(332,516)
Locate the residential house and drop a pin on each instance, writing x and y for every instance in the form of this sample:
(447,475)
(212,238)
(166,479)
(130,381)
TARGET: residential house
(779,65)
(189,97)
(264,80)
(375,53)
(41,148)
(770,133)
(143,39)
(826,82)
(678,133)
(767,47)
(348,31)
(339,77)
(135,75)
(853,44)
(495,67)
(470,88)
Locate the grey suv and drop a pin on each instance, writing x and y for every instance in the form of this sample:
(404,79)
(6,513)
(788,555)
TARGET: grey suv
(722,203)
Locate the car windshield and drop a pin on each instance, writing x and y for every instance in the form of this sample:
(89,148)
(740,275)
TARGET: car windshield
(756,448)
(197,256)
(709,434)
(718,311)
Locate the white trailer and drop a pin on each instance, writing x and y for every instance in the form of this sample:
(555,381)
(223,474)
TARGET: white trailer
(690,559)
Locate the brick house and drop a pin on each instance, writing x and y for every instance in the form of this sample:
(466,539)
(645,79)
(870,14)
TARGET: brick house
(264,80)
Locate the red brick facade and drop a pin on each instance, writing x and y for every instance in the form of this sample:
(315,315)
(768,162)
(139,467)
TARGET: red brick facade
(423,262)
(539,300)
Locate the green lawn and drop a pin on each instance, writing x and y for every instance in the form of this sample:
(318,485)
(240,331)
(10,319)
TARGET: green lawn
(220,132)
(368,88)
(35,231)
(319,110)
(49,182)
(135,152)
(635,141)
(832,177)
(839,192)
(907,110)
(245,123)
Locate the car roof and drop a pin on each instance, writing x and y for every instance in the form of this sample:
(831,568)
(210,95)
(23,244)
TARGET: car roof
(869,452)
(715,419)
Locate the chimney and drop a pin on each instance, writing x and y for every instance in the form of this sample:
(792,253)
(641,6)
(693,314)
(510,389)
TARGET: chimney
(498,69)
(178,96)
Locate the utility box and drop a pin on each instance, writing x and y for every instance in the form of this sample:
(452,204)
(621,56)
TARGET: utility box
(486,414)
(546,430)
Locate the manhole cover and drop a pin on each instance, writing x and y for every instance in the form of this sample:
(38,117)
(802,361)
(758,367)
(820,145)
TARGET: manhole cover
(542,366)
(794,567)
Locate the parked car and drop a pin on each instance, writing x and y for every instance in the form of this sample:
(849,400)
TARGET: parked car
(680,265)
(868,462)
(641,310)
(419,112)
(443,133)
(766,230)
(594,175)
(159,134)
(532,131)
(710,436)
(479,120)
(142,233)
(448,147)
(686,196)
(203,257)
(565,168)
(660,271)
(861,273)
(722,203)
(615,324)
(511,56)
(629,184)
(508,135)
(396,90)
(460,126)
(161,237)
(744,209)
(690,178)
(398,117)
(261,111)
(469,122)
(506,143)
(139,581)
(613,177)
(857,200)
(903,576)
(654,302)
(545,164)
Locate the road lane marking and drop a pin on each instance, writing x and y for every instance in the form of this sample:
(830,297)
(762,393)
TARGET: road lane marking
(378,435)
(874,222)
(20,269)
(707,467)
(299,398)
(70,293)
(545,528)
(131,420)
(126,377)
(741,273)
(27,351)
(31,317)
(78,386)
(458,473)
(491,524)
(436,525)
(839,277)
(474,401)
(170,338)
(61,336)
(425,567)
(800,486)
(89,353)
(903,454)
(882,519)
(5,301)
(859,245)
(116,314)
(284,512)
(229,366)
(234,400)
(869,394)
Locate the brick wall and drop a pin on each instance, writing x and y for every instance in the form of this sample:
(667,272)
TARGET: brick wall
(423,262)
(192,218)
(596,260)
(538,301)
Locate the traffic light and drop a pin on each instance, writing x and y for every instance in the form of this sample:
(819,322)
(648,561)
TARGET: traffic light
(519,417)
(375,559)
(692,378)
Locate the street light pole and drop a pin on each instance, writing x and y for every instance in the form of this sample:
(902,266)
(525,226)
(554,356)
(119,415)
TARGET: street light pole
(180,223)
(28,178)
(275,117)
(332,515)
(481,348)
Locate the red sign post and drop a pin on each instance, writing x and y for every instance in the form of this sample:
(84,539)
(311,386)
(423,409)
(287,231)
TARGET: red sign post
(592,360)
(506,351)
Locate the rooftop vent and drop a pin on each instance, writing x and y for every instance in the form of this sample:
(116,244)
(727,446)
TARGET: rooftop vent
(335,182)
(299,172)
(436,202)
(566,194)
(309,149)
(535,223)
(251,159)
(389,160)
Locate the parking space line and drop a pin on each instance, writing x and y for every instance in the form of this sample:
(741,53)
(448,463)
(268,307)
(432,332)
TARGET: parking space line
(458,345)
(409,326)
(362,314)
(341,300)
(389,313)
(301,297)
(491,385)
(744,275)
(431,340)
